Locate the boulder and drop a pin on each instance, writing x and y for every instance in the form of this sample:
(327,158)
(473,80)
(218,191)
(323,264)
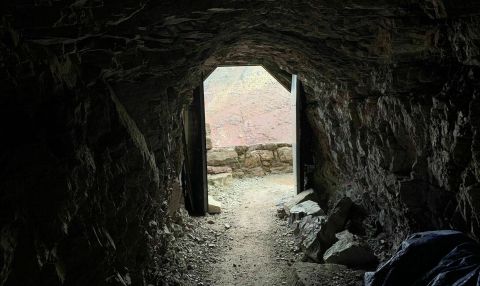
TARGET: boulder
(255,147)
(306,230)
(220,180)
(252,161)
(257,172)
(349,250)
(270,146)
(218,170)
(308,195)
(314,274)
(265,155)
(241,150)
(317,234)
(335,222)
(306,208)
(258,158)
(285,154)
(214,206)
(221,157)
(282,169)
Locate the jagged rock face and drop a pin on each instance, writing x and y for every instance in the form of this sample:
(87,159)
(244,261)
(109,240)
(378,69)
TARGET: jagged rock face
(392,98)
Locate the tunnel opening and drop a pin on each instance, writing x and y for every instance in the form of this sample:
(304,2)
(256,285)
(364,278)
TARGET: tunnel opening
(250,131)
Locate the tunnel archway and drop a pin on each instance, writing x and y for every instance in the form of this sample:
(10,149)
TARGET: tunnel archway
(196,194)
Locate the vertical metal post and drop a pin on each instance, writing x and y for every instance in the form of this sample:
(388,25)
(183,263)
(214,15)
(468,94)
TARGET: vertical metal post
(197,152)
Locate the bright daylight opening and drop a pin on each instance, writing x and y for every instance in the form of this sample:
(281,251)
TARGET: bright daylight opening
(249,120)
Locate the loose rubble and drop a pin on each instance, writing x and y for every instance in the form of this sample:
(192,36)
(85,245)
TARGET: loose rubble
(324,237)
(249,239)
(242,245)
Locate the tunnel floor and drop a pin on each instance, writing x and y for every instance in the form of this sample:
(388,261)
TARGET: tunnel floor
(244,245)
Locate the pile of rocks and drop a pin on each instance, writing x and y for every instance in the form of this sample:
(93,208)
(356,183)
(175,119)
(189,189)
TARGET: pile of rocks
(324,237)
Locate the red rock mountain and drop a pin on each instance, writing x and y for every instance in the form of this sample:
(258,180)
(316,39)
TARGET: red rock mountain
(245,106)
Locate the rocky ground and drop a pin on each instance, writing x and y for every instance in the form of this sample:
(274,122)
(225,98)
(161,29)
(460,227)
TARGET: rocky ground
(246,244)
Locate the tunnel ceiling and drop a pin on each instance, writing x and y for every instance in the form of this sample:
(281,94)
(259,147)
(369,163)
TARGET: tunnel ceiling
(92,95)
(367,46)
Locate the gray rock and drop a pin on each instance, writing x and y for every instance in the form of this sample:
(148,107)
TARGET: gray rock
(335,222)
(218,170)
(220,180)
(307,230)
(221,157)
(241,150)
(257,171)
(314,274)
(308,195)
(316,235)
(306,208)
(282,169)
(258,158)
(285,154)
(214,206)
(349,250)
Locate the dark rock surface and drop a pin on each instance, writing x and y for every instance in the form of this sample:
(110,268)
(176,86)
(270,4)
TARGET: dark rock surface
(349,250)
(307,236)
(91,98)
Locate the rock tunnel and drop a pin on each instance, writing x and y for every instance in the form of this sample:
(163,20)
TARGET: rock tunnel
(91,110)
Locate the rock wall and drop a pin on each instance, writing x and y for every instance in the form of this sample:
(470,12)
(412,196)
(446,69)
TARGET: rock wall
(255,160)
(84,197)
(412,160)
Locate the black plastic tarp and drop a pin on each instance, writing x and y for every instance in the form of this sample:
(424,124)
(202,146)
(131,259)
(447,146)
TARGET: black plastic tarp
(433,258)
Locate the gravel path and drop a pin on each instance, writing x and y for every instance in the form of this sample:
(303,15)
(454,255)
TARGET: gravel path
(260,246)
(244,245)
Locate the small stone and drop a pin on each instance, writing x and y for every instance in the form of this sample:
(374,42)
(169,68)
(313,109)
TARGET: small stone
(227,226)
(308,195)
(305,209)
(214,207)
(349,250)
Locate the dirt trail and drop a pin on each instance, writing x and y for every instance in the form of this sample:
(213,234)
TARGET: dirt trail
(244,245)
(259,248)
